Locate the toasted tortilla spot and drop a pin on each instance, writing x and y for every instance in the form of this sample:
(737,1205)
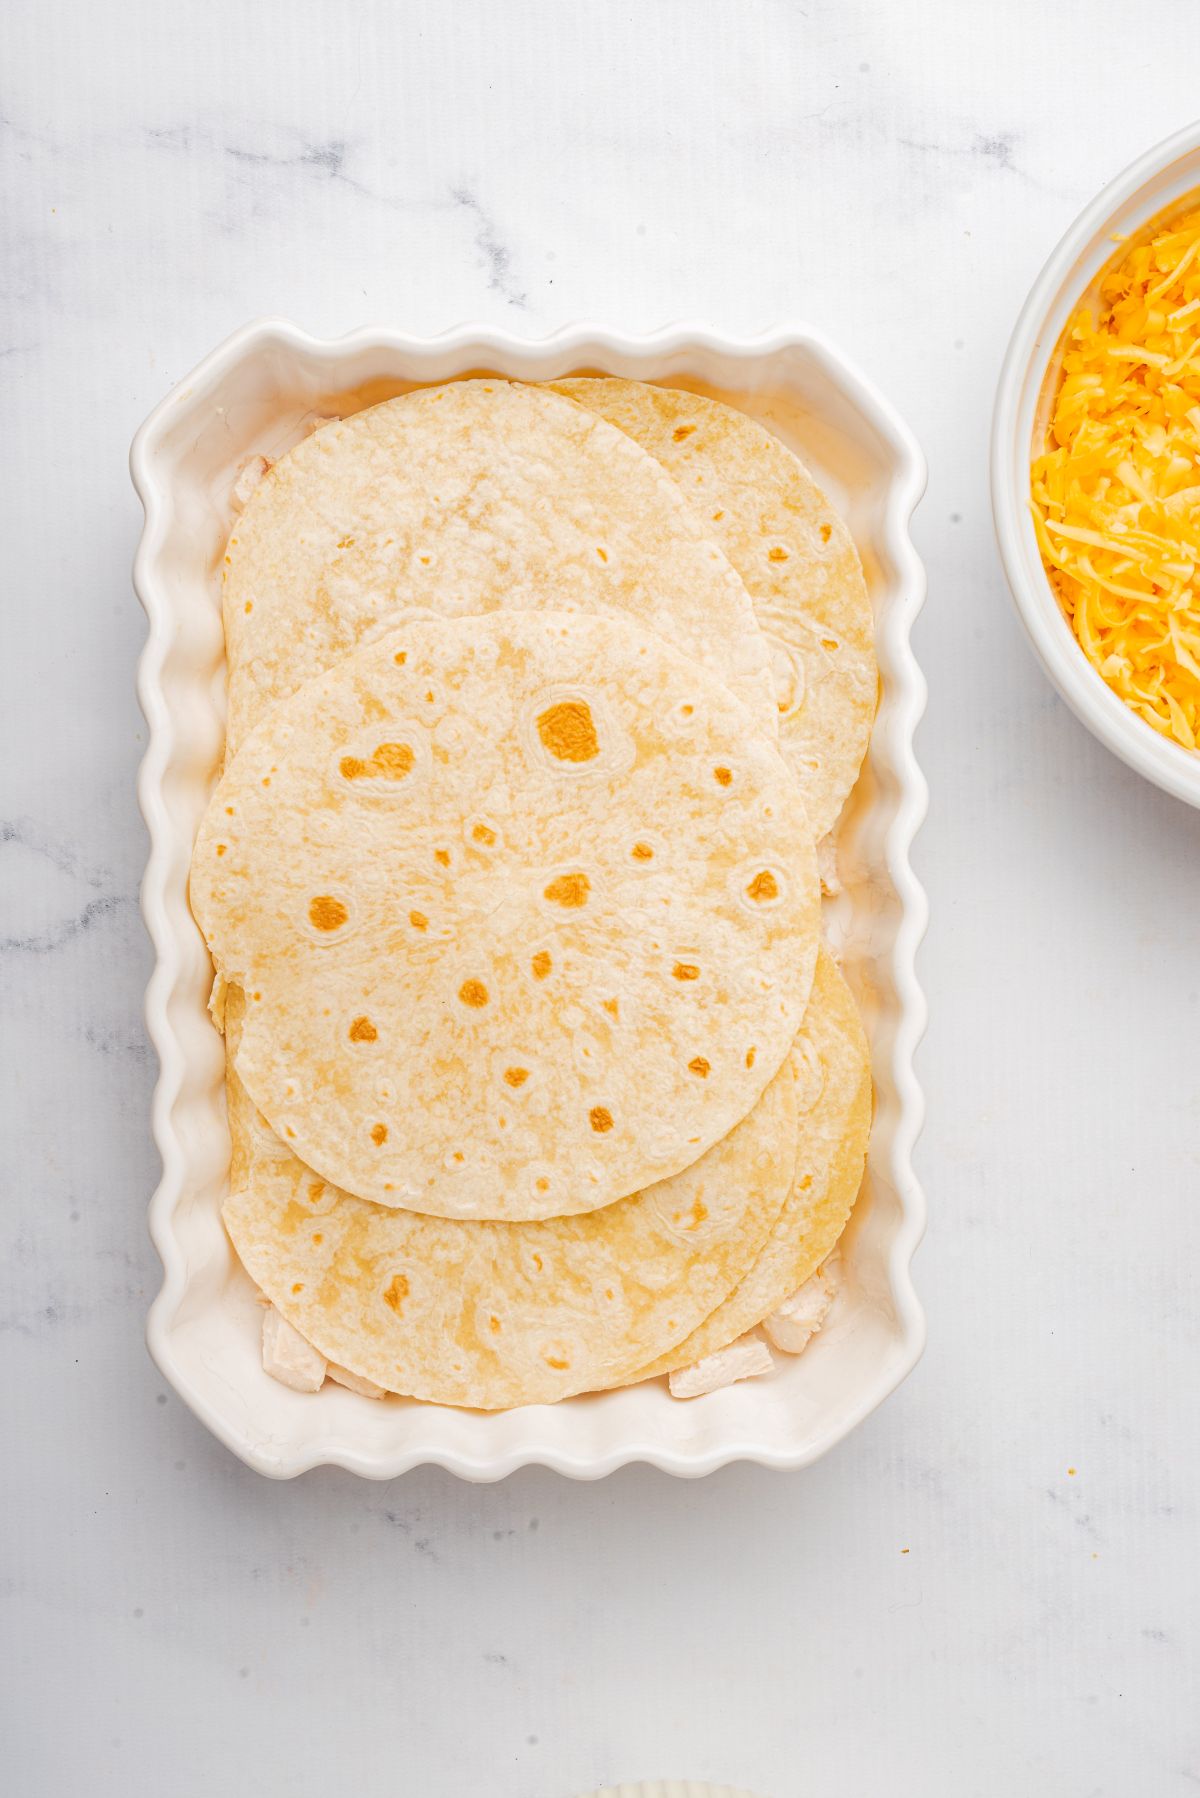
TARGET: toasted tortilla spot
(220,848)
(682,431)
(379,1135)
(568,731)
(698,1065)
(763,886)
(750,1053)
(392,760)
(600,1118)
(777,554)
(473,993)
(418,920)
(642,852)
(395,1292)
(483,834)
(442,856)
(722,776)
(569,890)
(400,657)
(326,912)
(610,1005)
(363,1031)
(541,964)
(686,970)
(515,1077)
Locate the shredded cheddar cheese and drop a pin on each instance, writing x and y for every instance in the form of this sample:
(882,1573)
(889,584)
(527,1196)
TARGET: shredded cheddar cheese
(1116,493)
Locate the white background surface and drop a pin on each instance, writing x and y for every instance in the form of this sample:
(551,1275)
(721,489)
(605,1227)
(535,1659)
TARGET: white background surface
(893,173)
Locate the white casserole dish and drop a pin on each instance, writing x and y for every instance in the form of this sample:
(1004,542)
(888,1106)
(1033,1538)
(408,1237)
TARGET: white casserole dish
(1156,183)
(254,395)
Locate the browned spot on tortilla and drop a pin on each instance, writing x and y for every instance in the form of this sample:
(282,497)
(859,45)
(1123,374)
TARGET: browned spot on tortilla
(389,761)
(458,1155)
(318,1238)
(482,833)
(687,710)
(395,1292)
(473,993)
(345,543)
(229,811)
(568,732)
(642,852)
(249,606)
(363,1031)
(543,1185)
(777,554)
(442,856)
(515,1077)
(327,913)
(610,1005)
(696,1215)
(559,1366)
(682,431)
(686,970)
(750,1054)
(220,848)
(698,1065)
(717,517)
(315,1189)
(379,1135)
(722,776)
(494,1324)
(289,1131)
(266,780)
(298,1287)
(541,964)
(826,532)
(569,891)
(600,1118)
(418,920)
(400,657)
(392,760)
(602,553)
(256,995)
(763,886)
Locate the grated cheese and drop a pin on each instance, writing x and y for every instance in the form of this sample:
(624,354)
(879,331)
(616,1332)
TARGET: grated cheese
(1116,494)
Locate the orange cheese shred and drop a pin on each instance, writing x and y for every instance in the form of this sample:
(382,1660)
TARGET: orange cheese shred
(1116,492)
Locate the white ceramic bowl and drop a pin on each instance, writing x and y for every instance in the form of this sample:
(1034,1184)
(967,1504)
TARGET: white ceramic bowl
(1157,182)
(255,395)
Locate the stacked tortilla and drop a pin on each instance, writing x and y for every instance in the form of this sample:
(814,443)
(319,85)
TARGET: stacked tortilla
(539,1079)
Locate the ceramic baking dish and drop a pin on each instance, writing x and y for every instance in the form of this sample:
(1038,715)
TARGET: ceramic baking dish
(256,394)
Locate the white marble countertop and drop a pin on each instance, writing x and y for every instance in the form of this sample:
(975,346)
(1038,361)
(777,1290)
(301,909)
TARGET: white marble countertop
(992,1586)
